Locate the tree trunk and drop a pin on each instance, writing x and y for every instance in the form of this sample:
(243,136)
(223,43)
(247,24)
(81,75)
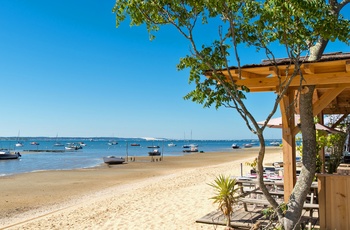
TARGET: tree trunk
(317,50)
(302,187)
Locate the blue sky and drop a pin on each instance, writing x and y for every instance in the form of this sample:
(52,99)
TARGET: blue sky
(66,69)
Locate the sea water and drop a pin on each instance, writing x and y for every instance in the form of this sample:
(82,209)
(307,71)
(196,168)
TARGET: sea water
(41,158)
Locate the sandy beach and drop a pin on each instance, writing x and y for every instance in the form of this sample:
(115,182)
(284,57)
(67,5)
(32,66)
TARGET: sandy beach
(165,194)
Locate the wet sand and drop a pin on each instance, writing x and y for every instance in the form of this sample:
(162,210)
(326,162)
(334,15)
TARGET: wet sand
(169,193)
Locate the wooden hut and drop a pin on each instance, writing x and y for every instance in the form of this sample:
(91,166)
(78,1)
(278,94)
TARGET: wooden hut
(331,76)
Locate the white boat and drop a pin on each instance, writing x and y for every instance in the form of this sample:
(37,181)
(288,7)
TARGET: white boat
(171,144)
(113,160)
(248,145)
(192,149)
(82,144)
(57,144)
(189,146)
(72,146)
(112,143)
(275,143)
(235,146)
(7,155)
(18,144)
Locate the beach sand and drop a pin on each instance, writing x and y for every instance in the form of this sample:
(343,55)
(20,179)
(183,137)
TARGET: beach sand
(168,194)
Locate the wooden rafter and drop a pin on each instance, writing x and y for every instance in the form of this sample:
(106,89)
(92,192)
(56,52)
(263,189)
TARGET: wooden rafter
(326,99)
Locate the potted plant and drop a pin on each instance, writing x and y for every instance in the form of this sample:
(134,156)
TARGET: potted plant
(252,165)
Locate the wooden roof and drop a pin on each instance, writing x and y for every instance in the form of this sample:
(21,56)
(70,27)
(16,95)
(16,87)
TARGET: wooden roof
(331,75)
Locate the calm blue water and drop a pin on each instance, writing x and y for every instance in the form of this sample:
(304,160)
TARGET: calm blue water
(91,155)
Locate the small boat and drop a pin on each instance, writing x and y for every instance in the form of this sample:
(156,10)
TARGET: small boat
(81,144)
(70,147)
(248,145)
(193,149)
(19,144)
(135,144)
(7,155)
(113,160)
(235,146)
(275,143)
(34,143)
(153,146)
(112,143)
(189,146)
(155,152)
(58,144)
(171,144)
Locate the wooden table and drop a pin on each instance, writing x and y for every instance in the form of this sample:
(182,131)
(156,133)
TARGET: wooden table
(250,186)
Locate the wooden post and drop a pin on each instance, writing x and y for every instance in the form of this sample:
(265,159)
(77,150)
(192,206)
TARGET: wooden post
(288,140)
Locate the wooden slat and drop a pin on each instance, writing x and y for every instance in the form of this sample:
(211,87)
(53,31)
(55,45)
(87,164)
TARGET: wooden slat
(334,201)
(242,219)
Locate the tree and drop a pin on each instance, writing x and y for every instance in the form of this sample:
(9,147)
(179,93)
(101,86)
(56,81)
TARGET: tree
(302,27)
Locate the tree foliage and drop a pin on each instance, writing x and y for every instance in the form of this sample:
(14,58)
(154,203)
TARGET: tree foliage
(300,27)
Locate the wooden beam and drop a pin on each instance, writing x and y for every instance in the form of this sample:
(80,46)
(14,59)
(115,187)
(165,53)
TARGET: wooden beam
(326,99)
(311,79)
(347,66)
(341,110)
(246,74)
(339,120)
(274,71)
(322,152)
(309,69)
(288,139)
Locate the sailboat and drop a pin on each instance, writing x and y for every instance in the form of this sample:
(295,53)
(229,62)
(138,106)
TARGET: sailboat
(190,145)
(18,144)
(57,144)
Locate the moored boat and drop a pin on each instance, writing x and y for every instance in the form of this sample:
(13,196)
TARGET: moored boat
(58,144)
(248,145)
(153,146)
(171,144)
(135,144)
(19,144)
(34,143)
(72,146)
(235,146)
(275,143)
(112,143)
(155,152)
(189,146)
(113,160)
(193,149)
(7,155)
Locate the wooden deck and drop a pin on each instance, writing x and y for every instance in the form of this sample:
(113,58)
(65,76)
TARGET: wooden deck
(242,219)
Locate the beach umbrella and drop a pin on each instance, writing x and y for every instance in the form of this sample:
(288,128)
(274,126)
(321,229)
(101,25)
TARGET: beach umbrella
(277,123)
